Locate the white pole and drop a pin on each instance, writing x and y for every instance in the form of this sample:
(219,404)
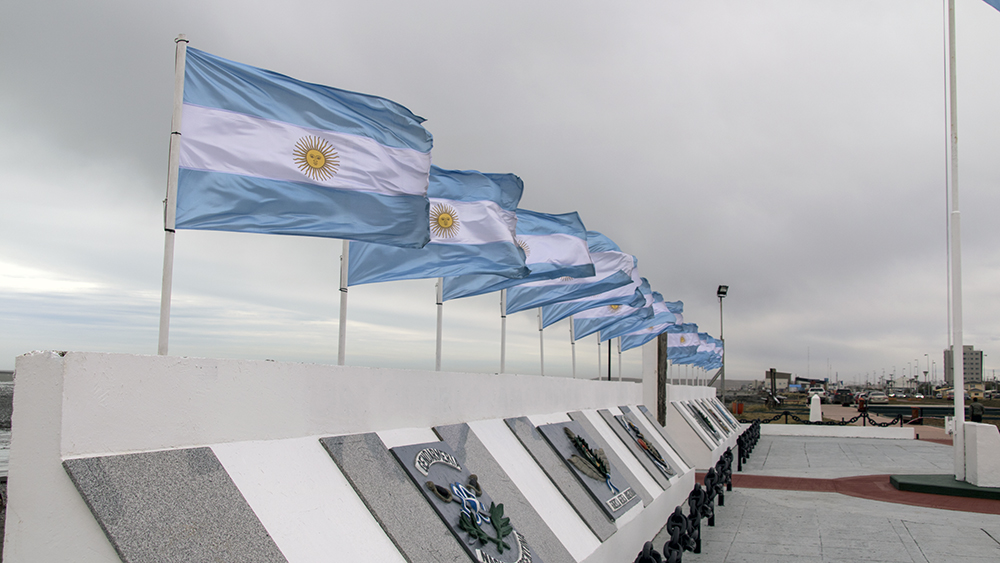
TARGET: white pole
(541,342)
(342,336)
(503,330)
(440,307)
(619,358)
(957,350)
(598,356)
(170,205)
(572,344)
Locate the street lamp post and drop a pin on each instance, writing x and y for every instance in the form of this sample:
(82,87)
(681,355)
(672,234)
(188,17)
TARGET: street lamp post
(722,291)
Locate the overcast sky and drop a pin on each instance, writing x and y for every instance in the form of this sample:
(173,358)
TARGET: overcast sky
(792,149)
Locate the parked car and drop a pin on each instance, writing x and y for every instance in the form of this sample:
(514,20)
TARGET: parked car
(918,396)
(818,391)
(877,397)
(843,397)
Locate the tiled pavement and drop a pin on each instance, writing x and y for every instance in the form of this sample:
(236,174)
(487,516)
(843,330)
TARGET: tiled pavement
(775,526)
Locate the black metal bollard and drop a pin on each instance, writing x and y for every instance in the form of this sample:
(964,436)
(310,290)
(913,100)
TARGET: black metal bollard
(648,554)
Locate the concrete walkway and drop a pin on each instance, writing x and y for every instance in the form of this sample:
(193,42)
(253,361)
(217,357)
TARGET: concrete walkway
(775,525)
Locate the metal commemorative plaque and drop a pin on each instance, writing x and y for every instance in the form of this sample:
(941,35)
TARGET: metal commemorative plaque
(476,520)
(588,463)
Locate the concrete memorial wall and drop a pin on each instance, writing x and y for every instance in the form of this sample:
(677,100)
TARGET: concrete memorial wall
(157,458)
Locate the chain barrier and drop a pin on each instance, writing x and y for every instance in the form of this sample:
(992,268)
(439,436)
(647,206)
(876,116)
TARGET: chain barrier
(898,419)
(685,530)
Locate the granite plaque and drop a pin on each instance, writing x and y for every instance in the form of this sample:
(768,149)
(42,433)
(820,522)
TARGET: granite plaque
(630,425)
(696,426)
(700,419)
(390,495)
(460,499)
(663,432)
(600,442)
(735,424)
(699,412)
(720,422)
(470,451)
(637,452)
(563,477)
(171,505)
(590,465)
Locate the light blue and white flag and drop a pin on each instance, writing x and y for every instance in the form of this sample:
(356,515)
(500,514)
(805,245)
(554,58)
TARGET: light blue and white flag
(705,353)
(653,313)
(613,269)
(682,341)
(626,295)
(554,246)
(592,320)
(472,223)
(264,153)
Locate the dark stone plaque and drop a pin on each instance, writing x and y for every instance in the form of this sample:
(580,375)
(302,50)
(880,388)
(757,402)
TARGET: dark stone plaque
(613,493)
(724,413)
(171,505)
(696,426)
(600,442)
(644,447)
(390,495)
(470,451)
(704,419)
(563,477)
(715,416)
(461,500)
(663,432)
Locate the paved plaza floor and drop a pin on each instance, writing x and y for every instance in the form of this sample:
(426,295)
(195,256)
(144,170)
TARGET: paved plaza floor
(777,525)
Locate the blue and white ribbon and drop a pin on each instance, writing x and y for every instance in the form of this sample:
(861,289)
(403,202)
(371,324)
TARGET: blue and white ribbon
(470,504)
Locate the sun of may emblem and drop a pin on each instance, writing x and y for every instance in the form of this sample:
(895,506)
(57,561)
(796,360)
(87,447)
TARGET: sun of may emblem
(444,221)
(524,246)
(683,340)
(316,158)
(614,308)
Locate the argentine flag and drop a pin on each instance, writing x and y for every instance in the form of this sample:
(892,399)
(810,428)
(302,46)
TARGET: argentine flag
(264,153)
(682,340)
(472,224)
(592,320)
(661,316)
(613,269)
(679,338)
(554,246)
(626,295)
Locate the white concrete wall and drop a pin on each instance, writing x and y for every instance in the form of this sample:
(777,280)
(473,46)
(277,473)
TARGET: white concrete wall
(84,404)
(982,454)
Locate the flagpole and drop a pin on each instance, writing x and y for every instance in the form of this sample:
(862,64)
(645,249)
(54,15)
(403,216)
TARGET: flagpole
(957,350)
(572,344)
(619,358)
(440,308)
(342,329)
(598,356)
(170,204)
(541,342)
(503,329)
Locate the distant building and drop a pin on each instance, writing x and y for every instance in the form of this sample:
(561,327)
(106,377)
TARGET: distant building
(781,380)
(973,366)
